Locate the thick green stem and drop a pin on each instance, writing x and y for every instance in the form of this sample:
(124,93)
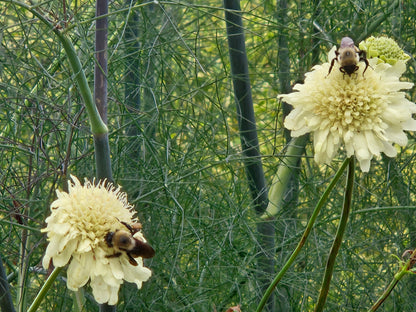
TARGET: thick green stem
(42,293)
(249,139)
(305,235)
(281,180)
(6,303)
(283,56)
(338,237)
(97,124)
(101,143)
(244,101)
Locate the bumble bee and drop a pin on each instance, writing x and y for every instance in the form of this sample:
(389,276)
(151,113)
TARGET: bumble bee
(348,56)
(124,241)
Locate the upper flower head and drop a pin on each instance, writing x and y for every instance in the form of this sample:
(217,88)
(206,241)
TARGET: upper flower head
(384,49)
(78,230)
(365,112)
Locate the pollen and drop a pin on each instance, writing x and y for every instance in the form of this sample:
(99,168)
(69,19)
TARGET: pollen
(354,105)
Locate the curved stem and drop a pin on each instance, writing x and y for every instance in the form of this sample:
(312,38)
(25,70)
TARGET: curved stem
(397,277)
(97,124)
(338,237)
(387,292)
(44,289)
(305,235)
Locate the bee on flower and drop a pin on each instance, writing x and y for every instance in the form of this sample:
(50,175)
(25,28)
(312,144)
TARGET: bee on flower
(367,114)
(93,229)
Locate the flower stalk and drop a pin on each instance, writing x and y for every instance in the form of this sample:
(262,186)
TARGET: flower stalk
(101,143)
(338,237)
(305,235)
(44,290)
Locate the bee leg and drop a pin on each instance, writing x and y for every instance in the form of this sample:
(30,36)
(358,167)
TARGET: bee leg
(332,65)
(117,254)
(132,260)
(363,58)
(366,65)
(363,55)
(128,227)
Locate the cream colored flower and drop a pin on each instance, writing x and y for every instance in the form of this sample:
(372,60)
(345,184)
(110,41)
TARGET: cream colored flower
(365,113)
(77,229)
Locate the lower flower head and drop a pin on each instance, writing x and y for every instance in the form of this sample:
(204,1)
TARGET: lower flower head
(365,112)
(78,230)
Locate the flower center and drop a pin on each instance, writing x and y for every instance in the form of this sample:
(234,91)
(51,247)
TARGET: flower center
(355,104)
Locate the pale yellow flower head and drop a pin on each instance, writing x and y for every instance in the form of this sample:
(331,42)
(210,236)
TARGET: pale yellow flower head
(384,49)
(76,230)
(366,114)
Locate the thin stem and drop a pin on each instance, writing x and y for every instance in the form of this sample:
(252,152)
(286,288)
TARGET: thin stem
(338,237)
(397,277)
(305,235)
(42,293)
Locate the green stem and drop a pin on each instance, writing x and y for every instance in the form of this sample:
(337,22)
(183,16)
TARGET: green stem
(97,124)
(338,237)
(107,308)
(281,180)
(397,277)
(44,289)
(305,235)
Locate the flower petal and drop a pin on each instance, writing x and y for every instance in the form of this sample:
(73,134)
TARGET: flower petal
(78,271)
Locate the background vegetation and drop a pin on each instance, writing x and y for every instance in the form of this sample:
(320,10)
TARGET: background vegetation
(175,150)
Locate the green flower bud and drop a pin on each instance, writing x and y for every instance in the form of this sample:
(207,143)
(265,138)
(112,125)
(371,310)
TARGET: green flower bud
(385,49)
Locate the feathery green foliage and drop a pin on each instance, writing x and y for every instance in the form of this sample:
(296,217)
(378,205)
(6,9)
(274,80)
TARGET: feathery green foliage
(187,177)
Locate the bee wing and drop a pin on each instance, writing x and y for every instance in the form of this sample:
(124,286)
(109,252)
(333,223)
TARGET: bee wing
(142,249)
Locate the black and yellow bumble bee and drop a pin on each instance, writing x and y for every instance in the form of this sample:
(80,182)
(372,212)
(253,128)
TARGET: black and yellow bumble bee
(124,242)
(348,56)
